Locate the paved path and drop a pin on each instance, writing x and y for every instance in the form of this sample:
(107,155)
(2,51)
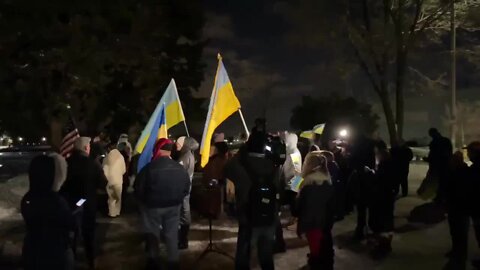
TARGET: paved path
(416,246)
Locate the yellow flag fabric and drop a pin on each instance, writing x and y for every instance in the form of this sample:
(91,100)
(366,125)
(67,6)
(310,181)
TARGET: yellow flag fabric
(223,104)
(173,114)
(318,129)
(308,134)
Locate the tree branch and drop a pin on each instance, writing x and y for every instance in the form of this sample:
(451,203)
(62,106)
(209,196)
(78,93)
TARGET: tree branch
(365,68)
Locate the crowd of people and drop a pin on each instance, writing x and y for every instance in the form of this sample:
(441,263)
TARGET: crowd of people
(319,184)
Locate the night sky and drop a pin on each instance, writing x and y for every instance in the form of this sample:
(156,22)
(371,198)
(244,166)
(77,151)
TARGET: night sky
(263,64)
(269,58)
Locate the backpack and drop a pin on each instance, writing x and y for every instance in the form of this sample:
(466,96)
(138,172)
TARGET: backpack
(262,203)
(262,197)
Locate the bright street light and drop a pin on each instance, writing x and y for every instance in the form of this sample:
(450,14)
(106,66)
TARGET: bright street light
(20,139)
(343,133)
(44,139)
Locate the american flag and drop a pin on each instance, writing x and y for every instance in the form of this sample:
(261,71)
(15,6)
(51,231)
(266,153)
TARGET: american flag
(71,134)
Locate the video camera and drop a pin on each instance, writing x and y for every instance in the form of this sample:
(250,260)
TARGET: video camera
(275,150)
(270,146)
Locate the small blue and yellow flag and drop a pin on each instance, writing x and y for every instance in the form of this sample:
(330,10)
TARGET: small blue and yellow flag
(159,130)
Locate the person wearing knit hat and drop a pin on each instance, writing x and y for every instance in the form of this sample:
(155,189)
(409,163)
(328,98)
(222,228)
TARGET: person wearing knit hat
(163,148)
(186,158)
(160,189)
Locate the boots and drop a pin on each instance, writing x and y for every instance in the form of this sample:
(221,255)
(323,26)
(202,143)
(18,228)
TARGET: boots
(183,237)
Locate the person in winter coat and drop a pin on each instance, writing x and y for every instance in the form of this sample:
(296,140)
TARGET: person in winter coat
(253,173)
(48,218)
(316,211)
(382,200)
(187,160)
(216,164)
(123,148)
(362,157)
(474,187)
(457,209)
(114,168)
(292,168)
(123,145)
(438,160)
(338,183)
(402,155)
(160,189)
(83,177)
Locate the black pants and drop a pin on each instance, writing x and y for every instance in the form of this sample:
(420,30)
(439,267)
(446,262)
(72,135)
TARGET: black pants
(86,228)
(263,238)
(459,225)
(476,227)
(403,183)
(279,240)
(290,199)
(362,210)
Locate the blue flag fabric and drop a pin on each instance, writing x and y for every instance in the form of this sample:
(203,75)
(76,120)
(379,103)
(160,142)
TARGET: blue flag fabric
(147,152)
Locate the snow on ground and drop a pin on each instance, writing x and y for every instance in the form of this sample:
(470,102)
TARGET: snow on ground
(415,246)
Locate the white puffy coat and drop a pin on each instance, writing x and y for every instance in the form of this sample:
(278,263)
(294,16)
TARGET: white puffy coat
(114,167)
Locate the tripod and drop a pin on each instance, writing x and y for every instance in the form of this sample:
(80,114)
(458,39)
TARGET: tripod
(211,246)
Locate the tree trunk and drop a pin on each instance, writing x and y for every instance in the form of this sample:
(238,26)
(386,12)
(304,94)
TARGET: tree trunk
(389,117)
(453,37)
(55,134)
(399,91)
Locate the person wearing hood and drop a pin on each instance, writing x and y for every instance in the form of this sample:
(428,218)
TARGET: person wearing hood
(316,211)
(48,218)
(114,168)
(123,145)
(292,168)
(186,158)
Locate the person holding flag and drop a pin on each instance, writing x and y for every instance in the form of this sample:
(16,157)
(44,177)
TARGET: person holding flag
(160,188)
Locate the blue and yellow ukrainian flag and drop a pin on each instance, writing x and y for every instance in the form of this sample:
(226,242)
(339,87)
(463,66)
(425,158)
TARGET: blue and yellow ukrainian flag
(159,130)
(223,103)
(173,114)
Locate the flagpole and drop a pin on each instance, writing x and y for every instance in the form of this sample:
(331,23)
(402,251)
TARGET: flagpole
(244,123)
(186,128)
(165,118)
(181,109)
(70,114)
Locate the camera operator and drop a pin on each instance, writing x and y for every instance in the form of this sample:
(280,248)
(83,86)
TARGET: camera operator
(254,172)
